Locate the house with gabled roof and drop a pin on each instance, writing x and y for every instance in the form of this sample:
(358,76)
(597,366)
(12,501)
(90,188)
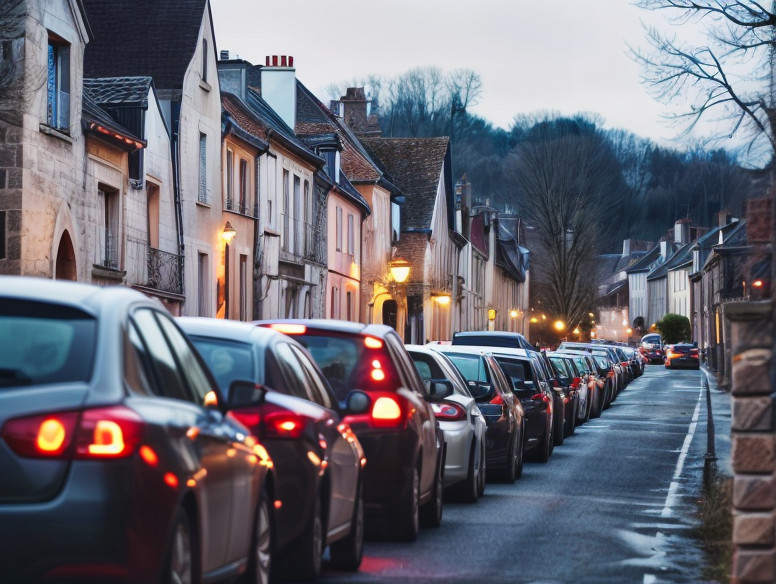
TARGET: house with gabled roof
(126,43)
(147,246)
(290,251)
(640,302)
(421,168)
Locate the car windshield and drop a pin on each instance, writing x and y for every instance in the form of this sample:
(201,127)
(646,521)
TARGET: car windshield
(471,367)
(44,343)
(228,360)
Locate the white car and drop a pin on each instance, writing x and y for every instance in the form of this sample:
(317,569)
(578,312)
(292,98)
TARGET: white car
(462,423)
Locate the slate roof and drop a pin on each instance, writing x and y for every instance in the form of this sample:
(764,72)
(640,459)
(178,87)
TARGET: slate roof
(119,91)
(680,256)
(417,165)
(158,38)
(510,256)
(92,114)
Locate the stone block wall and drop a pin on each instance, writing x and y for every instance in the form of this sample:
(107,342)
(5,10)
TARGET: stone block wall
(753,453)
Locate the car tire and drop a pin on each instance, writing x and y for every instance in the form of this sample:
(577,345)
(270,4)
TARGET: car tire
(304,558)
(260,558)
(406,519)
(347,554)
(482,474)
(431,512)
(520,453)
(180,564)
(467,491)
(560,428)
(570,423)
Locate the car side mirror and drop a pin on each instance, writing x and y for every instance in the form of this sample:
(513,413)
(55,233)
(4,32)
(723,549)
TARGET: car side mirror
(243,393)
(357,402)
(439,389)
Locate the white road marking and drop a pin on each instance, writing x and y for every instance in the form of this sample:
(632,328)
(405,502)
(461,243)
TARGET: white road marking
(674,487)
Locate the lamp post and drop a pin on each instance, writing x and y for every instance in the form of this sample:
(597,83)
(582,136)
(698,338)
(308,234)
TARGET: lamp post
(400,273)
(227,235)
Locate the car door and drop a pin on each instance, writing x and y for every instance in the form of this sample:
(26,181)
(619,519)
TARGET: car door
(343,455)
(196,432)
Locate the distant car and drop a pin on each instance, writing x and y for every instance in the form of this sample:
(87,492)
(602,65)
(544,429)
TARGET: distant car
(317,458)
(573,374)
(461,421)
(492,339)
(502,409)
(400,434)
(682,355)
(121,459)
(651,347)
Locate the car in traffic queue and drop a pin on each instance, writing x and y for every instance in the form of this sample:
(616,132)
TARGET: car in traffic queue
(462,423)
(504,339)
(121,458)
(614,365)
(317,458)
(682,355)
(501,408)
(403,443)
(573,376)
(651,346)
(636,360)
(536,397)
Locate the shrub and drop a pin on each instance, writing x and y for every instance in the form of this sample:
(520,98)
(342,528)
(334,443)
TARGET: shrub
(675,328)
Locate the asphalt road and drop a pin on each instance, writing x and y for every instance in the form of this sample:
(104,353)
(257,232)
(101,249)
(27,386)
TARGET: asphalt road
(615,504)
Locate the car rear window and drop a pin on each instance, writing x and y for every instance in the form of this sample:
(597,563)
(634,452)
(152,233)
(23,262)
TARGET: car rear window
(43,343)
(228,360)
(347,362)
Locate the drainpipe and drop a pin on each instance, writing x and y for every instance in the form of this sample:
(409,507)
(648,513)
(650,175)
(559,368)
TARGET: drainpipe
(175,112)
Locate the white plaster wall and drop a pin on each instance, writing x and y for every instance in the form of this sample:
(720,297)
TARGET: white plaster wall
(637,300)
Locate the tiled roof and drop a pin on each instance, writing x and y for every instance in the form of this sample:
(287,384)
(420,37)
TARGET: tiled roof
(118,91)
(416,164)
(158,38)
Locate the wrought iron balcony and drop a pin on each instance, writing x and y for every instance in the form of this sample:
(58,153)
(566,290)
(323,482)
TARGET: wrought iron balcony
(154,268)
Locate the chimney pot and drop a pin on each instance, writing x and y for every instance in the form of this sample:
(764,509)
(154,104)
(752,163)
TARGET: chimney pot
(274,60)
(283,62)
(225,55)
(290,61)
(266,61)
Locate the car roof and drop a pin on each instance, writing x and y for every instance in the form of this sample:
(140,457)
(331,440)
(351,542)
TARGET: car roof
(228,329)
(462,349)
(334,325)
(512,351)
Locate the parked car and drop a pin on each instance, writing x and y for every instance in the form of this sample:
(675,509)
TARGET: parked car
(400,434)
(536,398)
(614,365)
(502,409)
(651,346)
(682,355)
(121,458)
(574,377)
(317,458)
(637,362)
(462,423)
(492,339)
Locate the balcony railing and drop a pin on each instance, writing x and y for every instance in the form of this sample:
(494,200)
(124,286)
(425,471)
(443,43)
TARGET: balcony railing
(301,241)
(109,248)
(154,268)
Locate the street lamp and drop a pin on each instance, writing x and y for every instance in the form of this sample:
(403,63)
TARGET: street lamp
(400,273)
(400,270)
(227,235)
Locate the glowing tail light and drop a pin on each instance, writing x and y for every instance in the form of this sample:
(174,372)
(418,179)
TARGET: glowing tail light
(540,397)
(497,401)
(108,433)
(575,383)
(386,412)
(288,328)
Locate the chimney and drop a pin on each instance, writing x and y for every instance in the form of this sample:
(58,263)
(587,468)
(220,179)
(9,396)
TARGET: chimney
(225,55)
(682,231)
(354,108)
(626,247)
(723,218)
(278,86)
(663,248)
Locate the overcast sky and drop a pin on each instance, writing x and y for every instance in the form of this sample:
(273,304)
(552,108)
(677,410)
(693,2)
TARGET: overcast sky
(565,56)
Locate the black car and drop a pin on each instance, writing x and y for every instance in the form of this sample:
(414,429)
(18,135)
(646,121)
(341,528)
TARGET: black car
(121,459)
(682,355)
(403,443)
(503,411)
(492,339)
(317,458)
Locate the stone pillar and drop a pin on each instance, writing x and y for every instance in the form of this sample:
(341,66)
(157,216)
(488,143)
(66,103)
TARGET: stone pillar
(753,434)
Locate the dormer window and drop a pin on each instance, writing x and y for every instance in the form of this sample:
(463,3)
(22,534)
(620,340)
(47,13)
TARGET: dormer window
(58,85)
(332,158)
(204,60)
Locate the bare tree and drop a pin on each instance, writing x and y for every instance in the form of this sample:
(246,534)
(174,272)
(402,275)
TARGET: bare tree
(733,76)
(568,184)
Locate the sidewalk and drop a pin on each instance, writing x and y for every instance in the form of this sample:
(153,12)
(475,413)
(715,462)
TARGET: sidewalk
(719,441)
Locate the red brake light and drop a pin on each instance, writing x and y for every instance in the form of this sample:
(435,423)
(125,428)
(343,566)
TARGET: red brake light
(497,401)
(373,343)
(448,411)
(112,432)
(386,412)
(288,328)
(555,383)
(540,396)
(49,435)
(576,382)
(283,425)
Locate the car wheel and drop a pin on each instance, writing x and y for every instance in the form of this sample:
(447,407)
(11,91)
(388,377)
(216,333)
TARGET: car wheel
(467,490)
(482,473)
(260,558)
(431,512)
(180,556)
(560,427)
(520,452)
(406,521)
(347,553)
(303,561)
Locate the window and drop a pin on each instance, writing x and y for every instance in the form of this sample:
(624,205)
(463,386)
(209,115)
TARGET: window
(272,174)
(243,186)
(351,235)
(243,287)
(193,373)
(330,156)
(202,280)
(306,214)
(339,228)
(202,192)
(229,180)
(152,213)
(108,204)
(316,386)
(256,194)
(297,225)
(349,305)
(286,210)
(204,60)
(58,85)
(333,302)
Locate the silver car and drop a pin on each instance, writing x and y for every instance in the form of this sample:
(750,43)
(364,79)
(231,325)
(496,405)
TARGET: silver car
(461,421)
